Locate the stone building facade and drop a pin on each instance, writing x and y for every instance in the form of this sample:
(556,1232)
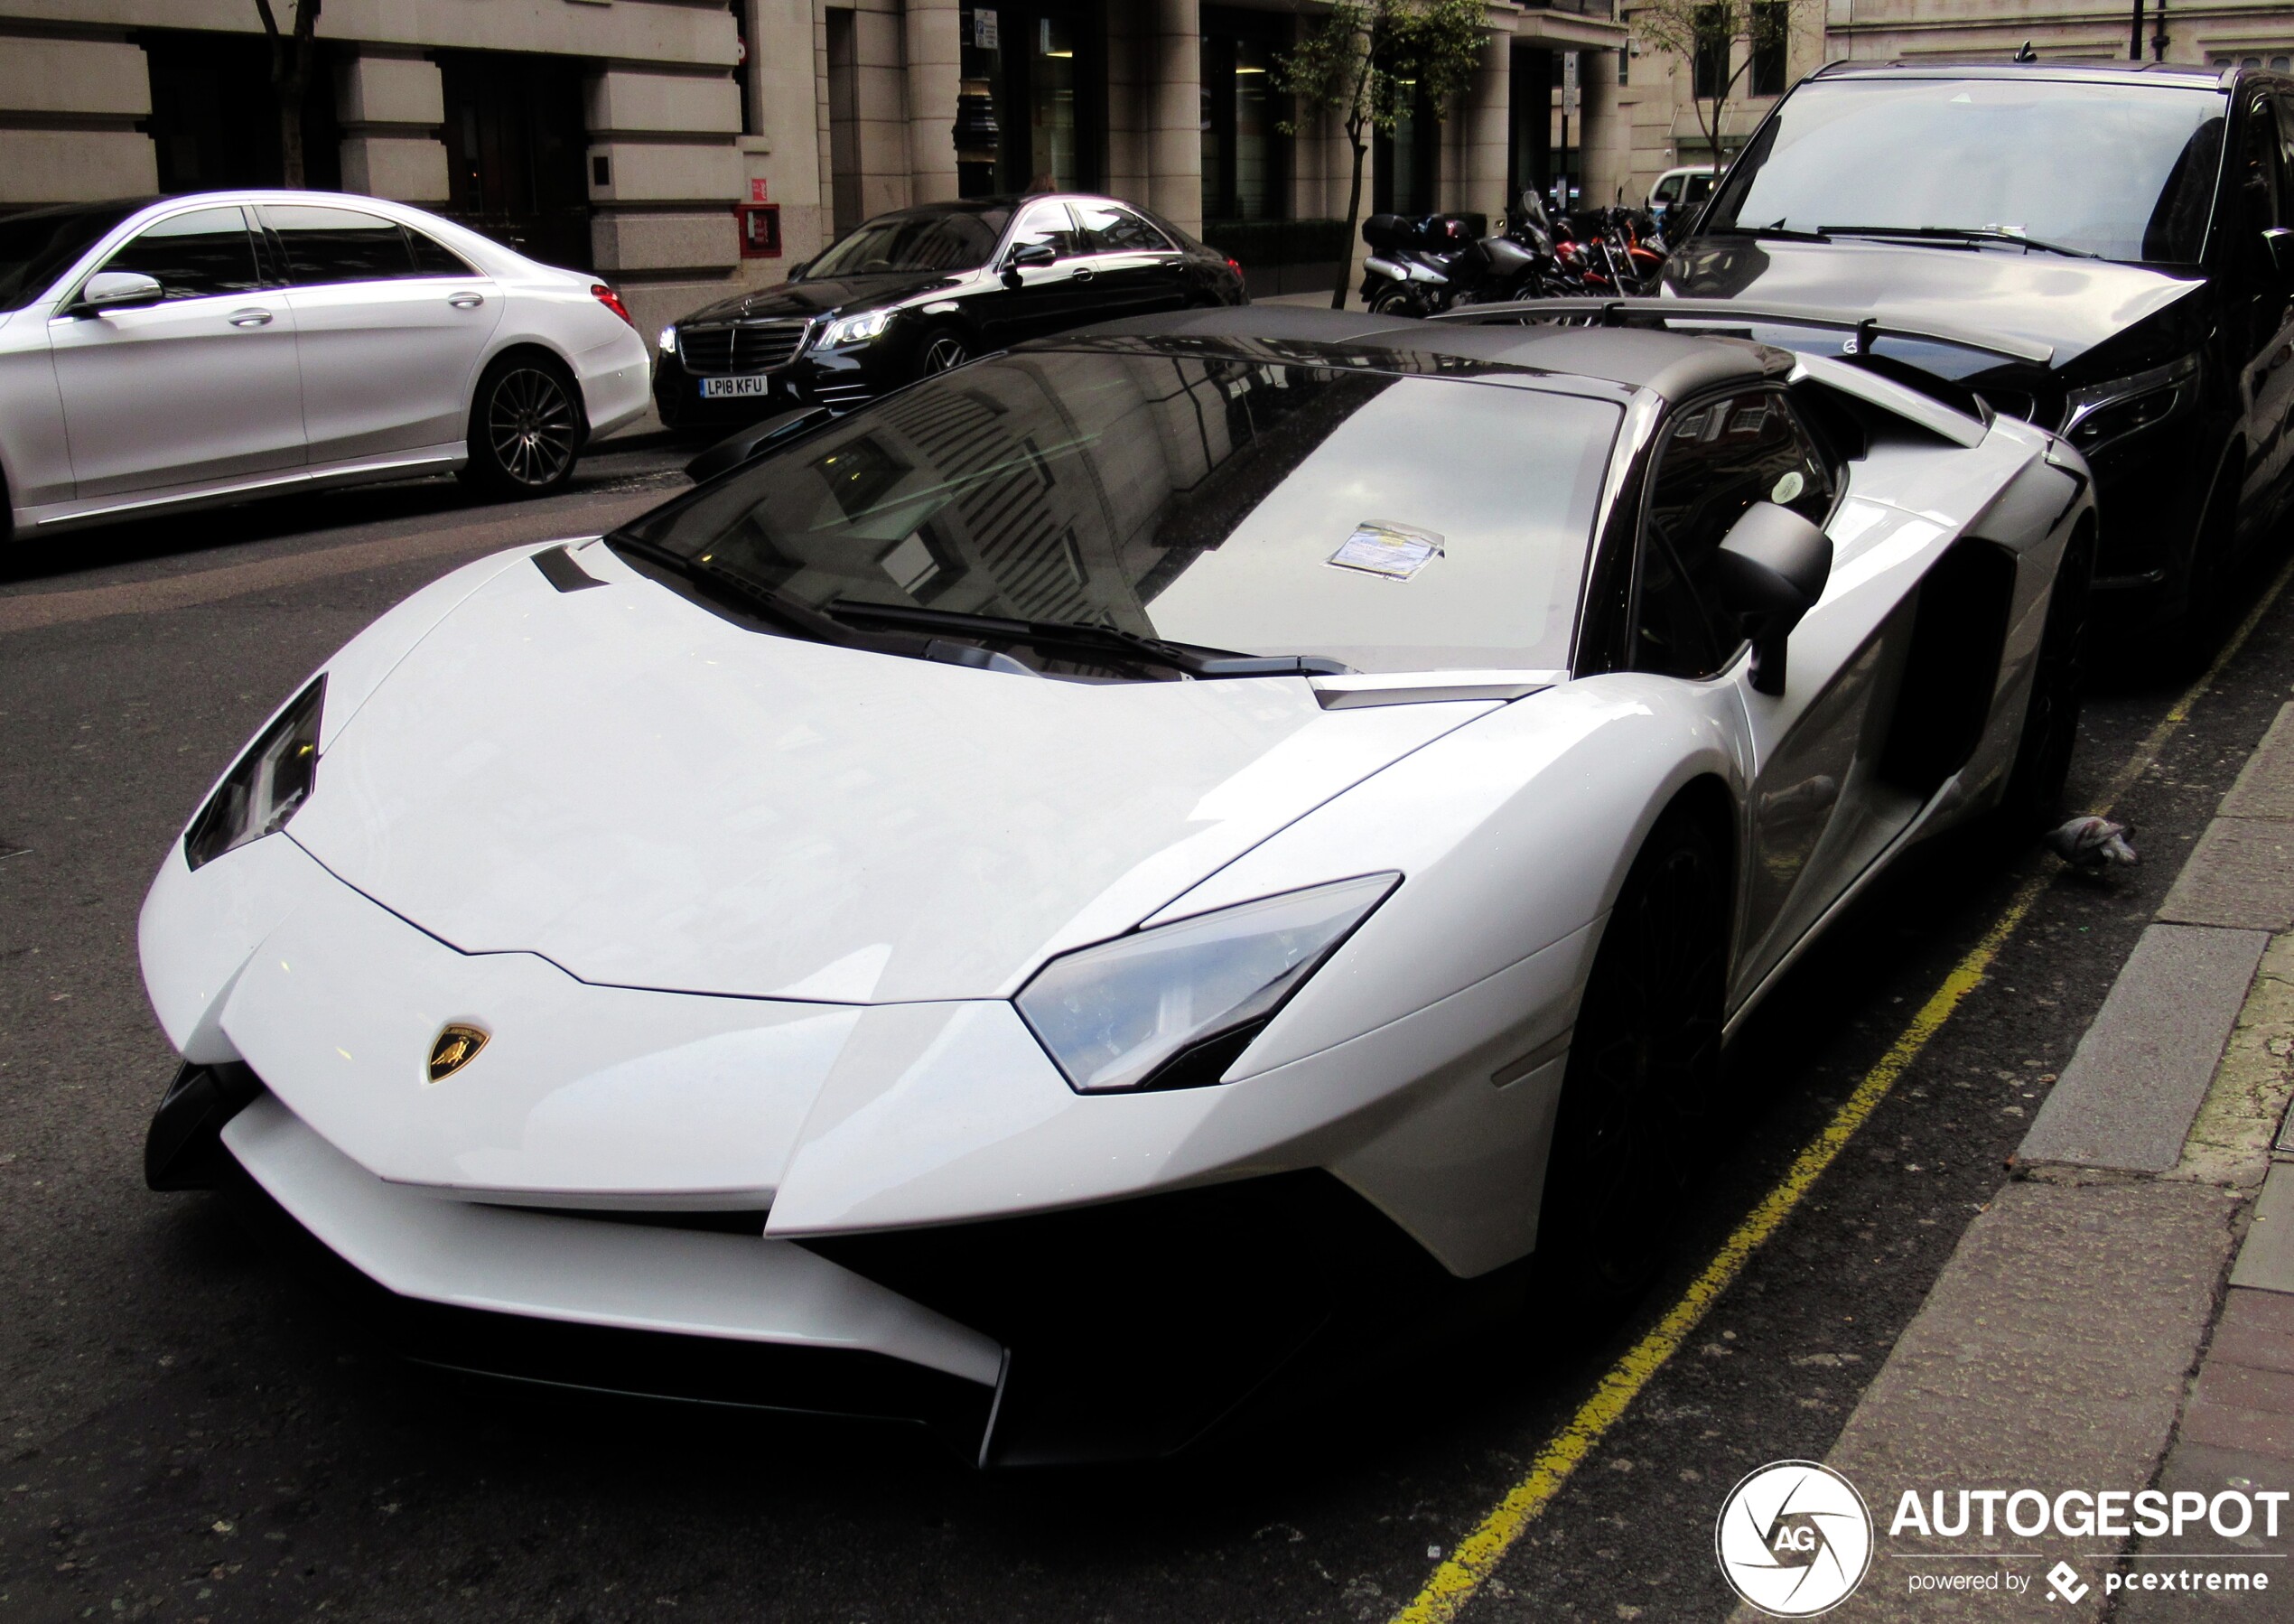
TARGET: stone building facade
(682,147)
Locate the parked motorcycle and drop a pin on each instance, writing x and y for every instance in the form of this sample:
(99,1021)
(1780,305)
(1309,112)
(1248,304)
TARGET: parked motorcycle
(1421,266)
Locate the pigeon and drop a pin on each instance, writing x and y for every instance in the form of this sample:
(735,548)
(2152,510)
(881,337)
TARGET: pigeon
(2091,845)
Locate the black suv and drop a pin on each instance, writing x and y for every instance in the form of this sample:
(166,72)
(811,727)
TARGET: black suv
(924,289)
(2128,225)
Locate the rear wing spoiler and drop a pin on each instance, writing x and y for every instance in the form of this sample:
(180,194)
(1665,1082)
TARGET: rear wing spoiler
(1863,330)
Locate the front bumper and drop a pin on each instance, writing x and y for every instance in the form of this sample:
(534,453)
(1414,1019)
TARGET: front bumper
(840,379)
(1125,1330)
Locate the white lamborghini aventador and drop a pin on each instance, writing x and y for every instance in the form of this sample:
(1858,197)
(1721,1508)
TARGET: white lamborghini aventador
(1018,907)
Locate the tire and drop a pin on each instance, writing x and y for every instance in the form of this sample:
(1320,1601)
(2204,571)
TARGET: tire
(2050,733)
(1396,300)
(943,347)
(525,427)
(1644,1072)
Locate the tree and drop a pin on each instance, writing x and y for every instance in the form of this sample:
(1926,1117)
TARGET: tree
(1705,34)
(291,56)
(1369,62)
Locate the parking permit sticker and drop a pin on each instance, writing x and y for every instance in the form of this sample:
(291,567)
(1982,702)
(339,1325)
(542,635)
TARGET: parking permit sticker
(1397,552)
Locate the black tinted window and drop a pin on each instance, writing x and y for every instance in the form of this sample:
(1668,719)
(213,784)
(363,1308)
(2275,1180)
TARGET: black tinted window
(1107,230)
(337,244)
(918,241)
(1718,459)
(38,245)
(1047,223)
(434,258)
(193,256)
(2126,173)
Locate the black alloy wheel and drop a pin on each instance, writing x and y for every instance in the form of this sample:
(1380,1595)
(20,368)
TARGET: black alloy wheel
(524,429)
(1644,1072)
(2058,681)
(943,347)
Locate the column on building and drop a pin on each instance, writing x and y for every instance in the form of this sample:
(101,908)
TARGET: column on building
(1133,56)
(1474,170)
(391,105)
(880,107)
(1608,160)
(663,174)
(68,112)
(1174,105)
(934,76)
(782,149)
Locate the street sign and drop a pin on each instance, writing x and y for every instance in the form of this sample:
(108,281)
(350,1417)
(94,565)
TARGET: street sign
(1569,84)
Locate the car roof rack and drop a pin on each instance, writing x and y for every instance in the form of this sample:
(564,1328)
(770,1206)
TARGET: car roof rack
(1618,313)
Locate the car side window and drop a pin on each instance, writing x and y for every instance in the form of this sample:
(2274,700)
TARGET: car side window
(434,258)
(1668,189)
(1050,223)
(193,256)
(1719,456)
(1107,230)
(325,245)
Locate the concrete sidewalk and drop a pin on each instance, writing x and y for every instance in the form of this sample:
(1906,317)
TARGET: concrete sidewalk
(2121,1316)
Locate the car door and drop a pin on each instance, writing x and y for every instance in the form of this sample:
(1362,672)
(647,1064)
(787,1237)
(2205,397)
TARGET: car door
(200,386)
(1137,269)
(1818,811)
(392,326)
(1028,301)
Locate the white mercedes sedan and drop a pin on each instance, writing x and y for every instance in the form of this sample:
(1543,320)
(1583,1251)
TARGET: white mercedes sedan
(187,350)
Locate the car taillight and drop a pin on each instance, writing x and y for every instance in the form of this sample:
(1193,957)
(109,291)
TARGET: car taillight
(1232,266)
(611,301)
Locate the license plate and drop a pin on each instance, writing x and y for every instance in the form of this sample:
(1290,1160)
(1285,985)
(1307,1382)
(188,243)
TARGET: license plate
(724,388)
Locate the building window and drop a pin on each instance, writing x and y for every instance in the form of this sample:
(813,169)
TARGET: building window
(1245,160)
(1771,34)
(1408,159)
(517,151)
(1711,71)
(214,120)
(844,120)
(1044,67)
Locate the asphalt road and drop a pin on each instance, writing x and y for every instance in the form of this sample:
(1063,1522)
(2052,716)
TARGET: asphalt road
(187,1432)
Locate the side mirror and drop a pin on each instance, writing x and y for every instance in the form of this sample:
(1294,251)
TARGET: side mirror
(2278,242)
(798,270)
(118,290)
(1768,572)
(1033,254)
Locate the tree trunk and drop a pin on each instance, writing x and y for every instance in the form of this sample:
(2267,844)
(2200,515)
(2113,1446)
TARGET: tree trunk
(291,137)
(1353,212)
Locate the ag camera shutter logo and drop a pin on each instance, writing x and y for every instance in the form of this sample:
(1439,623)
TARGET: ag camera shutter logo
(1795,1539)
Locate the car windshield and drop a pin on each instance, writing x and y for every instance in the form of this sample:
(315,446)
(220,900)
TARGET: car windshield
(1390,522)
(2123,172)
(924,240)
(38,246)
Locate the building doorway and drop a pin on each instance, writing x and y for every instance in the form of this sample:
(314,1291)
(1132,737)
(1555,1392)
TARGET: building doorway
(515,143)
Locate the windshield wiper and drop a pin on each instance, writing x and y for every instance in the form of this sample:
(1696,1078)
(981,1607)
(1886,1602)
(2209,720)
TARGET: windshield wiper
(1186,657)
(1776,231)
(1968,234)
(709,580)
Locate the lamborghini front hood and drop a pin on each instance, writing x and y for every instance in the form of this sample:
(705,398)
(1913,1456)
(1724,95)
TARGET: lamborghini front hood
(649,796)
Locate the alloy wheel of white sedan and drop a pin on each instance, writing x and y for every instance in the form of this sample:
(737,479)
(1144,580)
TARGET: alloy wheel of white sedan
(1026,906)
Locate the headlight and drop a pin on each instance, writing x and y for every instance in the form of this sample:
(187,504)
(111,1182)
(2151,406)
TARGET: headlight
(669,339)
(859,329)
(2099,414)
(1173,1006)
(268,783)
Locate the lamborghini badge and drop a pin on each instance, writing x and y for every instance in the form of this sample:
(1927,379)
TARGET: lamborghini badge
(457,1047)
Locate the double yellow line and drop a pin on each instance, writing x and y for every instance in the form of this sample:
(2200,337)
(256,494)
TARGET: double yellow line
(1476,1558)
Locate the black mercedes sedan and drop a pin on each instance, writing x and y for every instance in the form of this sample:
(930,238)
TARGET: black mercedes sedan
(920,289)
(2127,231)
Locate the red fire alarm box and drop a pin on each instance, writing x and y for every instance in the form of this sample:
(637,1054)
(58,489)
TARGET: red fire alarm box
(760,229)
